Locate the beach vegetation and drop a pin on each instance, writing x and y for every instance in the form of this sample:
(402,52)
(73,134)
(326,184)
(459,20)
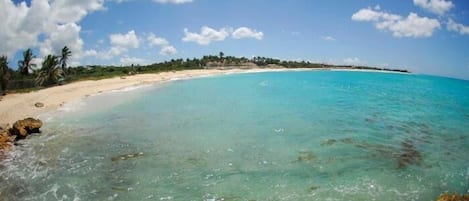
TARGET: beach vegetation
(221,54)
(50,72)
(65,55)
(4,74)
(56,69)
(25,65)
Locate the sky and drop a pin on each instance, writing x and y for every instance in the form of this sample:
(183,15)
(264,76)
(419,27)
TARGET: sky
(423,36)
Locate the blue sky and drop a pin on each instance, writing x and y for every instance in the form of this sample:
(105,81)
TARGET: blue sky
(424,36)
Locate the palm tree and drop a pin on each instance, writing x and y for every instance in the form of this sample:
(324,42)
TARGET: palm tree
(5,74)
(66,54)
(221,55)
(25,65)
(50,71)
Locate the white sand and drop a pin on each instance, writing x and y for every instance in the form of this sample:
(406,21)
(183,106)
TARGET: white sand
(21,105)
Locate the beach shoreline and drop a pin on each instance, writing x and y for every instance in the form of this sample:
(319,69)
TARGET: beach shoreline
(17,106)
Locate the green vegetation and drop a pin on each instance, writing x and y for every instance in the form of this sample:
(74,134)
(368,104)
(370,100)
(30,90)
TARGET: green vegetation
(25,65)
(65,56)
(50,72)
(55,70)
(4,74)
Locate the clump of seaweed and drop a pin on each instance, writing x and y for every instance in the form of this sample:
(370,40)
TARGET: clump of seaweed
(405,155)
(306,156)
(347,140)
(409,155)
(313,188)
(329,142)
(453,197)
(126,156)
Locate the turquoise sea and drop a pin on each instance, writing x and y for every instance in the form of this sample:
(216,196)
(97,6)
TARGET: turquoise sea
(306,135)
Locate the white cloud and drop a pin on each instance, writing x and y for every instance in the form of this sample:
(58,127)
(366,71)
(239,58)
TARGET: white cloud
(460,28)
(111,52)
(439,7)
(168,50)
(352,61)
(329,38)
(411,26)
(72,11)
(120,44)
(90,53)
(156,41)
(60,36)
(368,14)
(57,22)
(128,40)
(245,32)
(173,1)
(206,35)
(120,1)
(133,60)
(414,26)
(14,34)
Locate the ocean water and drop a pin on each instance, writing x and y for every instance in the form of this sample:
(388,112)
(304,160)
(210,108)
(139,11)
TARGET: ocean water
(308,135)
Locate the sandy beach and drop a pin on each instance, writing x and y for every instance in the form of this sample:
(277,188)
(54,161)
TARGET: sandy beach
(22,105)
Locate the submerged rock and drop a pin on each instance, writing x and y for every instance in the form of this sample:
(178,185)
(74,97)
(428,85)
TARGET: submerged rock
(306,156)
(329,142)
(314,188)
(22,128)
(39,104)
(347,140)
(126,156)
(453,197)
(409,155)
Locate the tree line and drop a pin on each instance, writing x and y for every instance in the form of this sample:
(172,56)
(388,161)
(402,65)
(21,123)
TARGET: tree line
(55,68)
(52,70)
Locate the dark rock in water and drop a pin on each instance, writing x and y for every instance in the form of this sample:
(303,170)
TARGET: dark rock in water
(347,140)
(329,142)
(409,154)
(313,188)
(126,156)
(39,104)
(306,156)
(406,155)
(22,128)
(380,149)
(453,197)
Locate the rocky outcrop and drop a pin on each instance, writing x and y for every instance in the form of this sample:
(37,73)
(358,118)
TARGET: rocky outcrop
(6,141)
(22,128)
(453,197)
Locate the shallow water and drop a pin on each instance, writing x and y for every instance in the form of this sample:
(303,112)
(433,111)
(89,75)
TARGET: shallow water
(263,136)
